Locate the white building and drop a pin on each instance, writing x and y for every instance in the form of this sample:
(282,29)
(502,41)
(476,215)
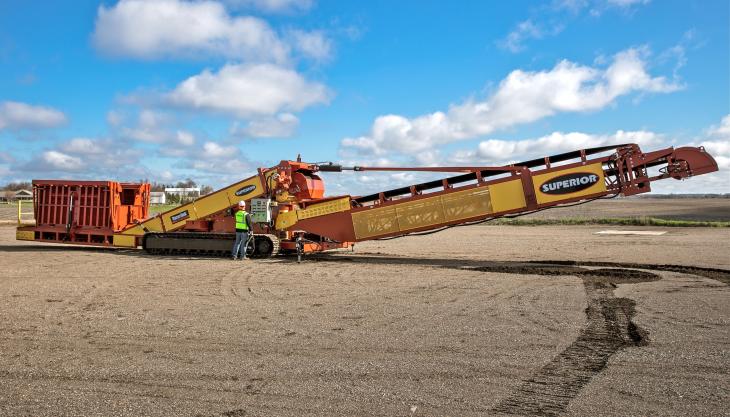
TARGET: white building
(20,195)
(157,197)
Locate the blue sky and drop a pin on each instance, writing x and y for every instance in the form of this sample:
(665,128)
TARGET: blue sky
(169,89)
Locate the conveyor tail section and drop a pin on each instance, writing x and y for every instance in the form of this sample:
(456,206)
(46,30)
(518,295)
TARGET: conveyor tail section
(200,208)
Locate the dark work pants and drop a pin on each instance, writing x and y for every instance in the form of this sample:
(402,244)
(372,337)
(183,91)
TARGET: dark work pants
(239,248)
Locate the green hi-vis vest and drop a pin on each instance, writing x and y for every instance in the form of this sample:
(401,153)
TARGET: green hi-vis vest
(241,220)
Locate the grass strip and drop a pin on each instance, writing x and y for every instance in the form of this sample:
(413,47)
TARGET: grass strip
(621,221)
(161,208)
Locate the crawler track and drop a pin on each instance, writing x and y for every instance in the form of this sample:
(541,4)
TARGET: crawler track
(206,244)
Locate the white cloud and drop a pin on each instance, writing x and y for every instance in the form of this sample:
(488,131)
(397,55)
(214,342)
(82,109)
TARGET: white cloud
(166,176)
(626,3)
(580,5)
(495,152)
(551,18)
(152,29)
(114,118)
(184,138)
(151,127)
(213,150)
(60,161)
(16,115)
(279,126)
(156,127)
(215,163)
(273,6)
(598,7)
(235,167)
(500,152)
(522,97)
(357,183)
(312,44)
(678,52)
(87,158)
(167,28)
(248,90)
(574,6)
(526,30)
(721,131)
(717,143)
(83,146)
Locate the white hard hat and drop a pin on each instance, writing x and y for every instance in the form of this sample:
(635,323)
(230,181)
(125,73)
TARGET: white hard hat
(242,203)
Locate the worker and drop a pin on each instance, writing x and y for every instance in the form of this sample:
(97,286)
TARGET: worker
(243,228)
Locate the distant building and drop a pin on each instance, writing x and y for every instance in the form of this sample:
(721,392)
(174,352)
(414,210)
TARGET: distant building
(182,194)
(10,196)
(24,195)
(157,197)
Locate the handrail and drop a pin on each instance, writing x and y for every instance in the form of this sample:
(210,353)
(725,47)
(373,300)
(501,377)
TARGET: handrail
(21,212)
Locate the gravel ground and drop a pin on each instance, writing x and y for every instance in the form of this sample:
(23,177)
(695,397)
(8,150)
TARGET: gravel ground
(462,322)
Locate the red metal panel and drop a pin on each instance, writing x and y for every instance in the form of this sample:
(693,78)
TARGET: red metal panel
(95,214)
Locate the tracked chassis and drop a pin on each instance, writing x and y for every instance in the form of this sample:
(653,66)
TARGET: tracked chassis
(207,244)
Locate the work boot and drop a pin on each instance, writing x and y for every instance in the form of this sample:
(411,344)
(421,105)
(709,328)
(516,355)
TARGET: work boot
(234,258)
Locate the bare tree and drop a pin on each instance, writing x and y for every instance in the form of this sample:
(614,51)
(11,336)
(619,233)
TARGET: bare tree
(15,186)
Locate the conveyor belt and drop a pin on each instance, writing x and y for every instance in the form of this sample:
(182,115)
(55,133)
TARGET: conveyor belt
(459,179)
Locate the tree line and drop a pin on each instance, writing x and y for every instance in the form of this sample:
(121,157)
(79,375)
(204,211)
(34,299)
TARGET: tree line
(16,186)
(154,186)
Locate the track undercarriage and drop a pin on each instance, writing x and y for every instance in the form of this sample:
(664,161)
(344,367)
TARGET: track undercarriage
(208,244)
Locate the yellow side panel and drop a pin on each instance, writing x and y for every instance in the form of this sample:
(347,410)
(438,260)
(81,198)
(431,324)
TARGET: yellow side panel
(248,189)
(205,206)
(420,213)
(212,203)
(125,240)
(465,204)
(24,235)
(375,222)
(153,224)
(508,195)
(176,218)
(562,181)
(334,206)
(286,219)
